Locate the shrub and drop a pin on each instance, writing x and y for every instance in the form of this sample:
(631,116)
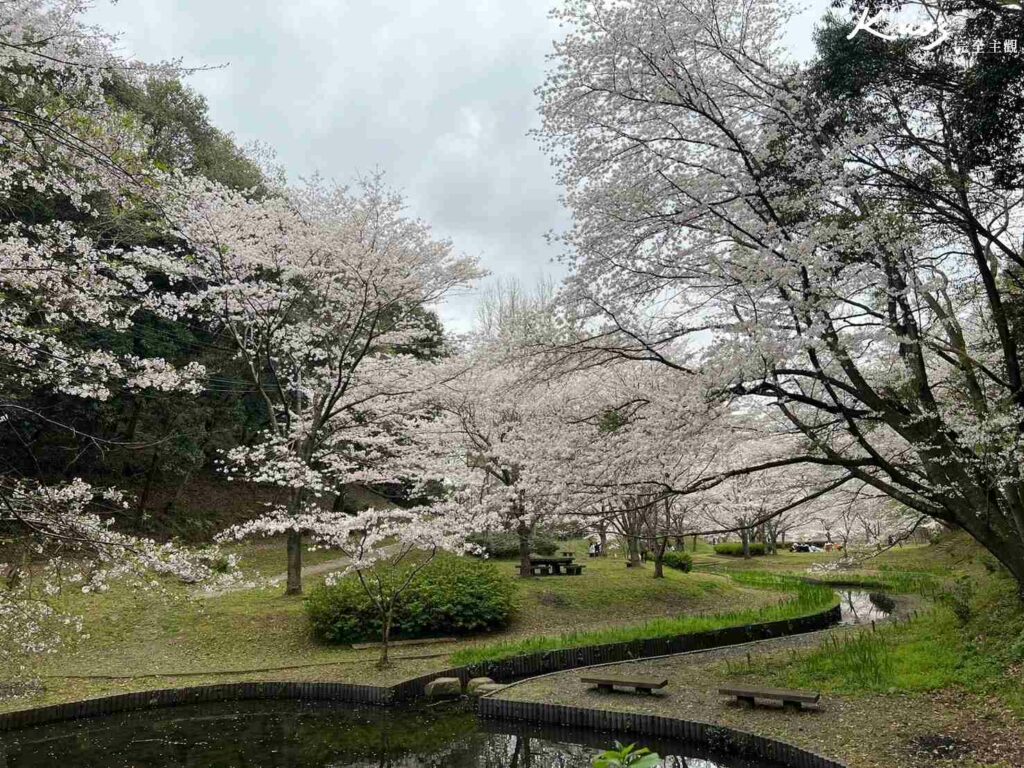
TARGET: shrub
(958,597)
(502,546)
(681,561)
(735,548)
(450,596)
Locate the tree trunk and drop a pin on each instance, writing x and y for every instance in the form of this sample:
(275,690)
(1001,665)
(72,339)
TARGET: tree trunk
(294,563)
(384,661)
(133,420)
(147,487)
(602,533)
(179,491)
(523,531)
(633,547)
(745,538)
(659,555)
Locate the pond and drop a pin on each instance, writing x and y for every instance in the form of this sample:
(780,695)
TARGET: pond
(307,735)
(863,607)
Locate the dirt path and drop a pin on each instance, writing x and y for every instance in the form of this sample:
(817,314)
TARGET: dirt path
(313,570)
(273,581)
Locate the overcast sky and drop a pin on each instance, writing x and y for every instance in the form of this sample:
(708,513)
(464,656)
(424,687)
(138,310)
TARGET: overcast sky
(436,93)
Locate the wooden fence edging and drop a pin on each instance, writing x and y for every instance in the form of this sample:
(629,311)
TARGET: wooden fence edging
(728,740)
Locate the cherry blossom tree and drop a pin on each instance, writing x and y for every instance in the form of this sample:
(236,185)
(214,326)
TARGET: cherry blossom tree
(386,548)
(837,247)
(643,444)
(62,141)
(497,437)
(322,292)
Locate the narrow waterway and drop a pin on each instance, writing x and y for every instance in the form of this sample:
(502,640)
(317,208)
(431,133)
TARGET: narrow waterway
(860,607)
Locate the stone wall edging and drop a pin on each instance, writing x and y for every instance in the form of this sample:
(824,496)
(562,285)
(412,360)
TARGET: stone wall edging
(720,737)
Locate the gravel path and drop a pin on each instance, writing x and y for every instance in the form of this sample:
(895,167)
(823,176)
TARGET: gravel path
(879,730)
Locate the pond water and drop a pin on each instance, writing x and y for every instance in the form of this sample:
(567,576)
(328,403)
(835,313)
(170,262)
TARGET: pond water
(863,607)
(304,735)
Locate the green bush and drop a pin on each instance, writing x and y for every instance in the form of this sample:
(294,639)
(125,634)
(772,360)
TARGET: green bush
(958,597)
(681,561)
(735,548)
(450,596)
(503,546)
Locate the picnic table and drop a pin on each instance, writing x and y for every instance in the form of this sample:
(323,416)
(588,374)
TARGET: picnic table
(555,566)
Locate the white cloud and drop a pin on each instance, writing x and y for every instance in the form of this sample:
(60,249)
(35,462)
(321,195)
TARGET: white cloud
(437,93)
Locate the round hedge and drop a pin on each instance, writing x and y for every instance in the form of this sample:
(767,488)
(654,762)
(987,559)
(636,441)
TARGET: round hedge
(450,596)
(681,561)
(735,548)
(502,545)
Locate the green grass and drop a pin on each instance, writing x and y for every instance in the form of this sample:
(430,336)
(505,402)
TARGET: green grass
(141,640)
(783,562)
(897,582)
(804,599)
(226,638)
(608,592)
(934,651)
(268,557)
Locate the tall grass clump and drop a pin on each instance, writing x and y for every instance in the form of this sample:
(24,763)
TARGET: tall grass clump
(864,661)
(897,582)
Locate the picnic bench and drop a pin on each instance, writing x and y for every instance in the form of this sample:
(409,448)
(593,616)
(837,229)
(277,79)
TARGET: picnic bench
(789,699)
(568,553)
(638,684)
(554,566)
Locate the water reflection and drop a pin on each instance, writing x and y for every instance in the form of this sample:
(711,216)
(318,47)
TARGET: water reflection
(293,735)
(864,607)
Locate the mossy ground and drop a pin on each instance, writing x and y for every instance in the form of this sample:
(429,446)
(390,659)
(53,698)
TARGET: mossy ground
(139,640)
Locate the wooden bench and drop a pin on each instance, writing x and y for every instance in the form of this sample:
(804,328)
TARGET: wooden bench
(638,684)
(568,553)
(574,569)
(540,570)
(789,699)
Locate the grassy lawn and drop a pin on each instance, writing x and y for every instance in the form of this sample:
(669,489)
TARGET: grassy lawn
(141,640)
(972,638)
(799,599)
(268,558)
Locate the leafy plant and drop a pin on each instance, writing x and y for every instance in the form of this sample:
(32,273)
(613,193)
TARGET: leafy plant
(450,596)
(681,561)
(958,597)
(735,549)
(503,546)
(627,756)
